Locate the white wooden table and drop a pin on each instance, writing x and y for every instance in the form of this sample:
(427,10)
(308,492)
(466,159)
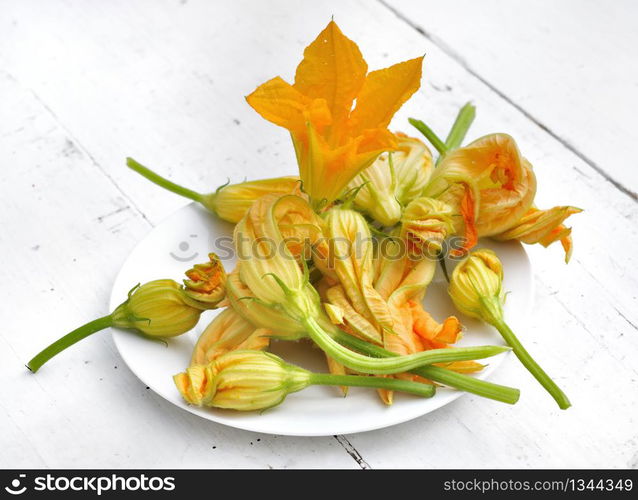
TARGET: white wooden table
(85,84)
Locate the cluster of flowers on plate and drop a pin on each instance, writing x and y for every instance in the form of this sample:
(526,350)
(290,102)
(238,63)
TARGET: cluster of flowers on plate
(342,254)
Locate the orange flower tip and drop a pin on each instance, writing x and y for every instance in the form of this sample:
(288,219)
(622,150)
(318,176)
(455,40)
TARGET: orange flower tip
(206,282)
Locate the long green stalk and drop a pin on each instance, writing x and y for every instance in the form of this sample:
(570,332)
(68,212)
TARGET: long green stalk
(391,384)
(391,365)
(163,182)
(443,376)
(68,340)
(429,135)
(460,127)
(532,366)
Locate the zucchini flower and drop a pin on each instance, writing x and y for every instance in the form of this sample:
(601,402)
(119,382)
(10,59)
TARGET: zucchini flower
(256,380)
(544,227)
(229,202)
(334,142)
(259,314)
(277,281)
(228,332)
(393,181)
(352,252)
(425,224)
(157,309)
(206,283)
(341,312)
(488,183)
(402,283)
(476,290)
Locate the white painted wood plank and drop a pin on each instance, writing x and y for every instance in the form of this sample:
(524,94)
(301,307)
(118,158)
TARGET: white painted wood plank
(584,328)
(66,229)
(570,64)
(164,82)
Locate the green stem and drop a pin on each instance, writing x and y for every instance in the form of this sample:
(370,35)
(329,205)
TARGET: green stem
(68,340)
(429,134)
(441,375)
(442,263)
(532,366)
(399,364)
(460,127)
(163,182)
(465,383)
(391,384)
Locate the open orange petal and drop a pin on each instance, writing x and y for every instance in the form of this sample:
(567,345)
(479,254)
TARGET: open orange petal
(384,92)
(544,227)
(468,212)
(332,69)
(280,103)
(448,332)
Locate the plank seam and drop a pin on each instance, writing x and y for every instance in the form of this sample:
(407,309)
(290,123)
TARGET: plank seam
(90,157)
(465,65)
(353,452)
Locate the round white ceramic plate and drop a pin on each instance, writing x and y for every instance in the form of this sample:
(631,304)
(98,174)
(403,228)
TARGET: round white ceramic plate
(186,237)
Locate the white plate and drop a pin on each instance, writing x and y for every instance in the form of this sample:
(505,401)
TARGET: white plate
(186,237)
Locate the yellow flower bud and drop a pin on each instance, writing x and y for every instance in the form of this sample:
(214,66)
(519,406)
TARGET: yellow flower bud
(207,282)
(241,380)
(393,180)
(267,265)
(425,224)
(413,168)
(352,251)
(158,308)
(476,286)
(232,201)
(258,313)
(375,191)
(228,331)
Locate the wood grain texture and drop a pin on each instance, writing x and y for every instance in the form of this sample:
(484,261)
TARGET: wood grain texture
(569,66)
(85,84)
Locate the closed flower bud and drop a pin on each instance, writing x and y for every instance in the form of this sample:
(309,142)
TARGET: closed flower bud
(267,265)
(248,380)
(476,290)
(259,313)
(228,331)
(206,283)
(425,224)
(158,308)
(374,188)
(393,180)
(241,380)
(476,286)
(231,202)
